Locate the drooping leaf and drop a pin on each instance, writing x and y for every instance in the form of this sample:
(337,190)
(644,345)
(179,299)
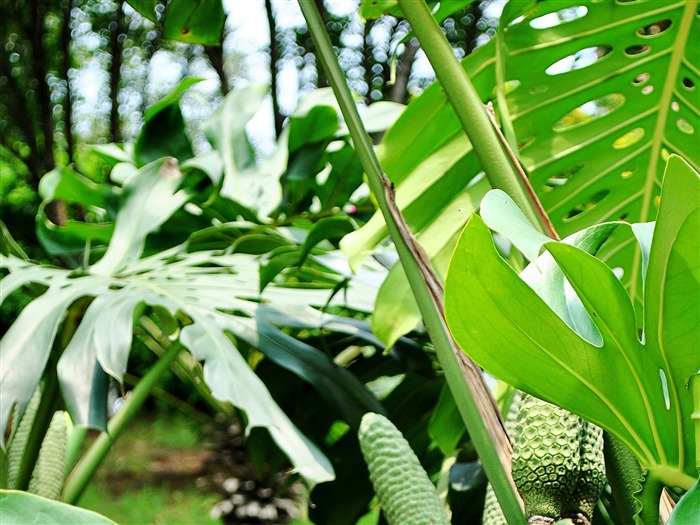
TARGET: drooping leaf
(21,508)
(636,388)
(225,130)
(163,133)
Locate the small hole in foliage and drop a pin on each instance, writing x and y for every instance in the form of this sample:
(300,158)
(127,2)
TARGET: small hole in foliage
(185,31)
(637,50)
(685,126)
(561,178)
(629,138)
(587,206)
(589,111)
(675,107)
(688,84)
(647,89)
(665,154)
(641,78)
(582,58)
(626,174)
(559,17)
(654,29)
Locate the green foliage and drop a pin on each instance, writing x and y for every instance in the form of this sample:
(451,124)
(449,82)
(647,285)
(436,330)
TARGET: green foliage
(20,508)
(606,167)
(561,345)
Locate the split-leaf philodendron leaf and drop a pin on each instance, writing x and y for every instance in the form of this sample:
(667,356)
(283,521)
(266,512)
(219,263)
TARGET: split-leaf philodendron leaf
(576,343)
(217,290)
(593,95)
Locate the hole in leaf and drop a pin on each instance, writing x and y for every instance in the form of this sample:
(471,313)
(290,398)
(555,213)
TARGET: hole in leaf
(685,126)
(563,177)
(629,138)
(665,154)
(539,89)
(623,216)
(657,200)
(647,89)
(587,206)
(641,78)
(185,31)
(579,60)
(525,143)
(688,84)
(654,29)
(664,388)
(589,111)
(635,50)
(626,174)
(559,17)
(511,85)
(675,107)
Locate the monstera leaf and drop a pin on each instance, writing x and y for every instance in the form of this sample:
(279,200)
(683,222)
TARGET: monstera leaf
(217,291)
(574,341)
(593,95)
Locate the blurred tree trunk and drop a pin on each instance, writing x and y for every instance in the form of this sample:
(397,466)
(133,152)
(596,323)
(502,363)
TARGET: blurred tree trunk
(116,47)
(215,54)
(66,10)
(274,62)
(399,91)
(37,32)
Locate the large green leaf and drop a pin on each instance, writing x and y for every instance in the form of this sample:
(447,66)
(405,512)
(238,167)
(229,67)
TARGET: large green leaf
(592,134)
(22,508)
(217,290)
(591,360)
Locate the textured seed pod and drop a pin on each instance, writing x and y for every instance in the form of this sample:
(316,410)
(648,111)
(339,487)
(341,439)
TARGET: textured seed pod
(546,458)
(18,440)
(493,514)
(591,481)
(405,492)
(47,478)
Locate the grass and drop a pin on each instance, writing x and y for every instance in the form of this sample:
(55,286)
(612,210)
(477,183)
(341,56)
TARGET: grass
(150,475)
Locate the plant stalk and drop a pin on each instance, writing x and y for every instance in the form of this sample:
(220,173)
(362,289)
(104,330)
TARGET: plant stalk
(500,165)
(476,405)
(79,478)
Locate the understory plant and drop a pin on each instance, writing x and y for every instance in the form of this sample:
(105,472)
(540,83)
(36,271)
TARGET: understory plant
(226,266)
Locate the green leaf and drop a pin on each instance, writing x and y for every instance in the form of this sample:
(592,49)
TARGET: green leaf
(163,133)
(145,8)
(586,173)
(68,185)
(446,427)
(509,330)
(688,508)
(225,130)
(328,228)
(149,198)
(194,21)
(21,508)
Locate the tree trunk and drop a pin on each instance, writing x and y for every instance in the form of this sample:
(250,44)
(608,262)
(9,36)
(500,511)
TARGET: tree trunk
(274,61)
(43,95)
(115,49)
(215,54)
(66,9)
(399,91)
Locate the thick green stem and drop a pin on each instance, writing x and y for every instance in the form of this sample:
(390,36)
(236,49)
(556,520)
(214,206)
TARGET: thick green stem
(87,466)
(477,408)
(492,151)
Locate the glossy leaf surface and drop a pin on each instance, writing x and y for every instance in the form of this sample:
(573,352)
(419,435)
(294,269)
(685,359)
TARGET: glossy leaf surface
(22,508)
(594,96)
(583,352)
